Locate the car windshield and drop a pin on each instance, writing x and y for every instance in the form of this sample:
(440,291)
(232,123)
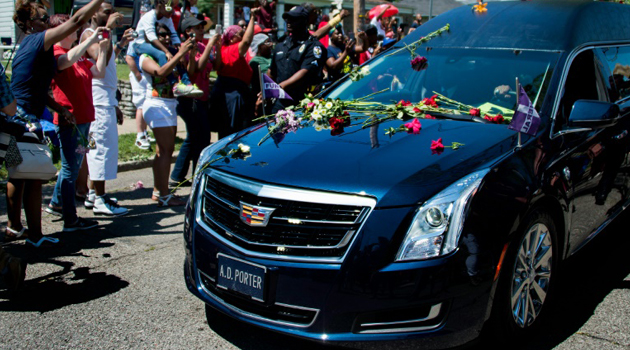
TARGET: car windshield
(482,78)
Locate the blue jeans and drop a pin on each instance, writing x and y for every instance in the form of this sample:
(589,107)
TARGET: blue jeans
(70,163)
(160,56)
(195,114)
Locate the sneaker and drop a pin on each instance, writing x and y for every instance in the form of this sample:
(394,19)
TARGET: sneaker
(186,90)
(54,211)
(81,224)
(143,143)
(149,137)
(89,201)
(105,206)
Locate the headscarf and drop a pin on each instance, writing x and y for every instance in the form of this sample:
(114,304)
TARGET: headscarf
(229,33)
(258,39)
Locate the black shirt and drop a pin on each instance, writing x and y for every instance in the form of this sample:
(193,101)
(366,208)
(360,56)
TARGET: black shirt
(291,56)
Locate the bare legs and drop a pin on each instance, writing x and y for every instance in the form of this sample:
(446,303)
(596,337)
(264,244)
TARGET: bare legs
(165,140)
(29,192)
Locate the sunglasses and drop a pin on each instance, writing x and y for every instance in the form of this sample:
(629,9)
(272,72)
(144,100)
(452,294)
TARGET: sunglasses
(43,18)
(164,34)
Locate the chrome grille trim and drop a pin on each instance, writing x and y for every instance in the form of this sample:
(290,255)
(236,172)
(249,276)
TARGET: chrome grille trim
(276,192)
(433,314)
(254,316)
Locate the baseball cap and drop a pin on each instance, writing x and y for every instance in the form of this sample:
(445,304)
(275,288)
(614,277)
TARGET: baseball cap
(259,29)
(298,12)
(191,22)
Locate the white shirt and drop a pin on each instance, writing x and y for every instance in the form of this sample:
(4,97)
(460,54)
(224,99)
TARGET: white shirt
(379,27)
(104,89)
(146,28)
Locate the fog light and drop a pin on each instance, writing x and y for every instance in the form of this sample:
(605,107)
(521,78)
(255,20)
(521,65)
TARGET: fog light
(435,217)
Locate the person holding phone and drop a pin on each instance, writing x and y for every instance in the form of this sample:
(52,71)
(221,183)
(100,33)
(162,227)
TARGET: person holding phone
(72,90)
(34,66)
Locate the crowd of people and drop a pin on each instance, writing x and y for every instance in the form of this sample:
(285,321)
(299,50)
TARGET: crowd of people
(170,60)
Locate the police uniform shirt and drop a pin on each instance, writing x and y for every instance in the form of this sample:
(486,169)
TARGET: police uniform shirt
(291,56)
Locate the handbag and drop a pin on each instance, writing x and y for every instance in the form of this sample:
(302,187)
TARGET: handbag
(36,161)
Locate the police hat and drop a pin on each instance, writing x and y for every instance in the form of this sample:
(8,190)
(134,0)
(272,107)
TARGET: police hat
(296,13)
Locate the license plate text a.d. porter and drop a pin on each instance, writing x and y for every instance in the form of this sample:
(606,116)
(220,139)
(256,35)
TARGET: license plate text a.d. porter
(241,276)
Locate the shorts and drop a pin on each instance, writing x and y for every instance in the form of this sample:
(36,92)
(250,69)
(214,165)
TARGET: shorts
(103,161)
(160,112)
(138,90)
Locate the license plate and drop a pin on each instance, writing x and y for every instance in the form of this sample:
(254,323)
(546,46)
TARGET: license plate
(241,276)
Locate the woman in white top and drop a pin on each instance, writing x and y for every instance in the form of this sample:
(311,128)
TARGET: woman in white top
(160,114)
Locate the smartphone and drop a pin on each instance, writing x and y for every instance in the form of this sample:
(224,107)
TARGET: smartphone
(219,29)
(105,34)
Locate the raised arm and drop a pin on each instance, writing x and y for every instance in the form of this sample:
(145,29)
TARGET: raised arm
(205,56)
(153,68)
(323,31)
(380,15)
(246,42)
(70,58)
(75,23)
(98,70)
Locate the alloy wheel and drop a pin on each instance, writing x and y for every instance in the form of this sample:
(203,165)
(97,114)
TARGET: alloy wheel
(531,275)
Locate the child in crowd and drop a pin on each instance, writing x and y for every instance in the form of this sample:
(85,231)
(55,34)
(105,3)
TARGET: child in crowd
(148,43)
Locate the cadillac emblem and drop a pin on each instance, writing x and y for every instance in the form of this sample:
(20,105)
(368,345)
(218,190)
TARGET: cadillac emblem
(254,215)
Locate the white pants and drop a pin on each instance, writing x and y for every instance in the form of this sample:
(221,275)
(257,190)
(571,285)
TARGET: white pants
(103,161)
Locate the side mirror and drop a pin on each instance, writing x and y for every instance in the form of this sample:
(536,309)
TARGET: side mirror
(593,114)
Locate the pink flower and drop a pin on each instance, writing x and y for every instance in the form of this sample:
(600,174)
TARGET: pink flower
(403,103)
(414,126)
(498,119)
(138,185)
(475,112)
(417,110)
(437,145)
(310,105)
(419,63)
(427,116)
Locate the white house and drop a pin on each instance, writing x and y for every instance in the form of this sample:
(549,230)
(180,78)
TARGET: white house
(7,27)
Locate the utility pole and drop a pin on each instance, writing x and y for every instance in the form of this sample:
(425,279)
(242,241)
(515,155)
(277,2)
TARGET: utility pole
(431,9)
(359,10)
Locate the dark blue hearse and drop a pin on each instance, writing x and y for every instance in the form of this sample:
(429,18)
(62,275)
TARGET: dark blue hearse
(363,236)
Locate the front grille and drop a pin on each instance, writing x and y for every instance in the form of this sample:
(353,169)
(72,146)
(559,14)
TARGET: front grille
(296,228)
(277,312)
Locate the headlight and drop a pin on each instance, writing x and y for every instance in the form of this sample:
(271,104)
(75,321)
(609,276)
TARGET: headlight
(205,156)
(437,225)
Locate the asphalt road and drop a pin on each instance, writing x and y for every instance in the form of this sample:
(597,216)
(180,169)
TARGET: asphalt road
(121,286)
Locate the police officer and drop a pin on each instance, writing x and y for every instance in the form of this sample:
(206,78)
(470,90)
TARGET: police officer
(297,62)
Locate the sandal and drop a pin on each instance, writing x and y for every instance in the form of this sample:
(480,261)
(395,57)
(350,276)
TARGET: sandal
(170,200)
(11,235)
(41,241)
(155,196)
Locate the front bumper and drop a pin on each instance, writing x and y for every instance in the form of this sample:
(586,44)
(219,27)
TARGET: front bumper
(433,302)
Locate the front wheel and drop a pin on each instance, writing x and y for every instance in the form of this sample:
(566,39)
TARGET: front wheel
(527,280)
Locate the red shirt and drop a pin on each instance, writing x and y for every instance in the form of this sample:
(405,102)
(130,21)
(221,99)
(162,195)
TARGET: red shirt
(264,17)
(202,78)
(72,88)
(234,65)
(323,40)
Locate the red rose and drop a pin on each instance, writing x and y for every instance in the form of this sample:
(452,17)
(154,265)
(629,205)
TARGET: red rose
(417,110)
(403,103)
(428,116)
(430,101)
(475,112)
(498,119)
(437,145)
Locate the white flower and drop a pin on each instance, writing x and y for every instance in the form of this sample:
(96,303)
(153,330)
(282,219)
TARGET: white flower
(243,148)
(316,116)
(316,102)
(329,105)
(318,127)
(365,70)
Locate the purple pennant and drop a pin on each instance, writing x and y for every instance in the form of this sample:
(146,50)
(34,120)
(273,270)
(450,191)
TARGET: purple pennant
(525,119)
(273,90)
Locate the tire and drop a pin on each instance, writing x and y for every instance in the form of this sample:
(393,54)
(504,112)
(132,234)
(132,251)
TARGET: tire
(530,269)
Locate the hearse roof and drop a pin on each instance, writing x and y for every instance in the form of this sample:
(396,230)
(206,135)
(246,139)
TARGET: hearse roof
(536,25)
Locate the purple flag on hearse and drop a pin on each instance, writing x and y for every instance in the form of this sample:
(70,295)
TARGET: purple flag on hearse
(525,119)
(273,90)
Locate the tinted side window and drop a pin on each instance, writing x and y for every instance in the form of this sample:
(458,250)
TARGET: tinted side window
(618,61)
(581,84)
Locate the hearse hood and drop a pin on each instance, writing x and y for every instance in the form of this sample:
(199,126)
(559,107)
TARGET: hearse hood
(397,170)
